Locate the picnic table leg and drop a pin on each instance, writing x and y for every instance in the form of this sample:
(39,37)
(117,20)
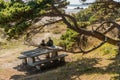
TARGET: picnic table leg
(62,59)
(24,61)
(55,54)
(48,55)
(38,68)
(31,60)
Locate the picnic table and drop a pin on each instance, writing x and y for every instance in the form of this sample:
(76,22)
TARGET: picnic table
(40,56)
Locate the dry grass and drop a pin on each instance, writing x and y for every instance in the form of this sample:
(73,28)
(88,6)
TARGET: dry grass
(101,64)
(92,66)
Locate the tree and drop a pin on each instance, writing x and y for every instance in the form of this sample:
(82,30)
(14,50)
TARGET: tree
(18,17)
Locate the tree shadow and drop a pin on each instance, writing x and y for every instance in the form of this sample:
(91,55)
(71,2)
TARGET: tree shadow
(115,68)
(16,77)
(86,66)
(80,67)
(73,70)
(89,67)
(32,70)
(112,68)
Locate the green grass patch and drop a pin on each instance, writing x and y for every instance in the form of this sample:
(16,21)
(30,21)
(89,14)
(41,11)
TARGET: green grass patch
(109,50)
(56,41)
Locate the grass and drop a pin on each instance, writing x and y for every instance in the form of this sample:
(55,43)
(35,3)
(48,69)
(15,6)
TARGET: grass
(102,64)
(91,66)
(12,44)
(1,70)
(56,41)
(58,28)
(56,31)
(108,51)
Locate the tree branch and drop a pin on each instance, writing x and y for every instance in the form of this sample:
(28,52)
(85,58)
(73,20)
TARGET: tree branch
(65,20)
(32,32)
(94,47)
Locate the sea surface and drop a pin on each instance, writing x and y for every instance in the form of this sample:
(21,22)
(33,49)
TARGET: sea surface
(74,8)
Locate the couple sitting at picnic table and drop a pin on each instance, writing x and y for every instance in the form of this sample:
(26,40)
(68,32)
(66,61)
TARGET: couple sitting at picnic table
(49,43)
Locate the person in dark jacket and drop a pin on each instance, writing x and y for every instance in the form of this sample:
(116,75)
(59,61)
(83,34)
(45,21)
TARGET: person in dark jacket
(43,43)
(50,42)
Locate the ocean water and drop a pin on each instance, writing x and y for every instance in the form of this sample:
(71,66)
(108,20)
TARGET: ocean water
(73,8)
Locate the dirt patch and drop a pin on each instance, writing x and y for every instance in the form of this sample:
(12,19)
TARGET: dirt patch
(8,62)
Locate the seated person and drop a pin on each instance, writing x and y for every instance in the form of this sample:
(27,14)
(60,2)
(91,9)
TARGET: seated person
(43,43)
(50,42)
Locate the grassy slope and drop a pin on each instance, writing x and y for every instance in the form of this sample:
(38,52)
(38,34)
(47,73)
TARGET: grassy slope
(102,64)
(93,66)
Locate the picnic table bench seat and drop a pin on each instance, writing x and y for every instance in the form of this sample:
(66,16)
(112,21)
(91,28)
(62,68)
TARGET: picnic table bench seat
(61,58)
(50,59)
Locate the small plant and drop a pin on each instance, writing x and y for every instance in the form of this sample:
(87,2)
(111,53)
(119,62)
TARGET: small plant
(56,32)
(109,50)
(68,39)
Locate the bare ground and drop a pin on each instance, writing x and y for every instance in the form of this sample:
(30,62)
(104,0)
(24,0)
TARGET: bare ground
(9,60)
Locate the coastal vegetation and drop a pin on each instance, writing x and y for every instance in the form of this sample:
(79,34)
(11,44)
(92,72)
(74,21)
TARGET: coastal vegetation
(95,28)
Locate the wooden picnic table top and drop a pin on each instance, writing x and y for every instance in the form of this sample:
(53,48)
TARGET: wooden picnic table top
(40,51)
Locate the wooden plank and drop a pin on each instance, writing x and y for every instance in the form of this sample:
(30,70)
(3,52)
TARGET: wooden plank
(36,52)
(22,57)
(28,53)
(50,59)
(40,51)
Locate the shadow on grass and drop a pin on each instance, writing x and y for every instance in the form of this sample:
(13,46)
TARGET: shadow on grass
(115,68)
(32,70)
(73,70)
